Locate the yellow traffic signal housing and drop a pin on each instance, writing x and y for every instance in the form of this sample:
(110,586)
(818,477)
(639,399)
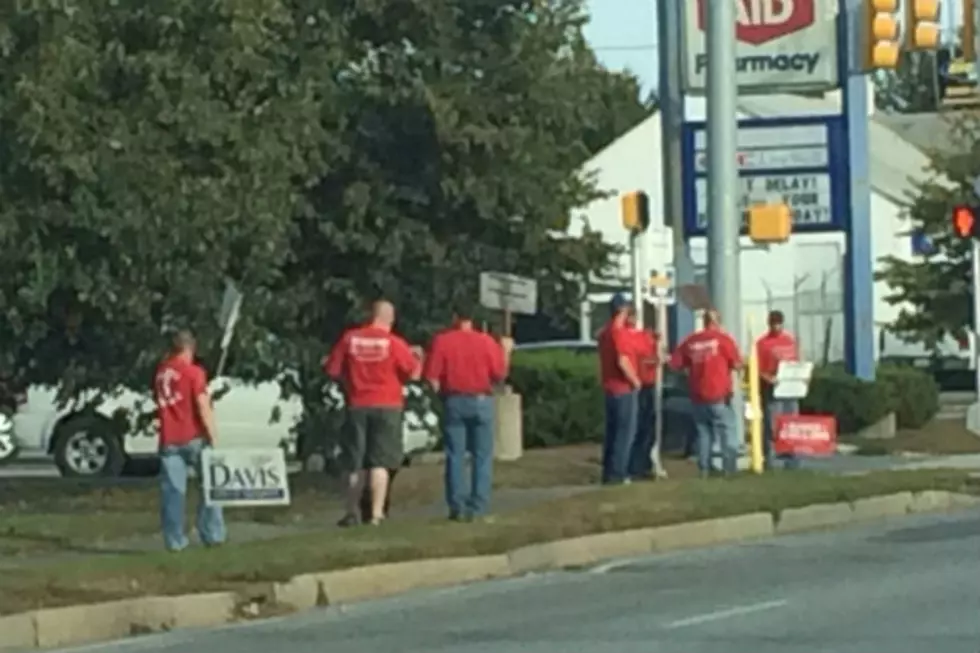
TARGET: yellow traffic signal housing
(881,34)
(922,24)
(636,211)
(968,40)
(770,223)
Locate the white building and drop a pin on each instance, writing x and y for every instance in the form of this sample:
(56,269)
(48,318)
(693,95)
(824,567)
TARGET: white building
(803,277)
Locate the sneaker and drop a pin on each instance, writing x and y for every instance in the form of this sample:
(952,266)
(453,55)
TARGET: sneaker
(460,517)
(348,520)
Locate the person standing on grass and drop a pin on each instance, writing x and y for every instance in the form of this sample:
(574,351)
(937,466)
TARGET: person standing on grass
(710,356)
(463,365)
(373,364)
(646,343)
(186,422)
(775,346)
(620,383)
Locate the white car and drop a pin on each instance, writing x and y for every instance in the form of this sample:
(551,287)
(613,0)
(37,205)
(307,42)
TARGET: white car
(101,438)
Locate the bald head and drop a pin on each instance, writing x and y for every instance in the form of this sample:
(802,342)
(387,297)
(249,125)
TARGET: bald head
(383,313)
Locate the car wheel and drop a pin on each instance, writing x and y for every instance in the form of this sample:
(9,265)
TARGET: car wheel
(87,447)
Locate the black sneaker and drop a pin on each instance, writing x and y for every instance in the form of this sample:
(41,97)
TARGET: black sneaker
(460,517)
(348,520)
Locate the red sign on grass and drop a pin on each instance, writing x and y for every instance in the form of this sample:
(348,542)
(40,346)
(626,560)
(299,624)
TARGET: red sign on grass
(805,435)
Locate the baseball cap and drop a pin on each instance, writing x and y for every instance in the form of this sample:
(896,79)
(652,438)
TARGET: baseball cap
(618,302)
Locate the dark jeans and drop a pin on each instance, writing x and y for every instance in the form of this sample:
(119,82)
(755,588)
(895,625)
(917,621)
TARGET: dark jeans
(640,463)
(620,433)
(772,408)
(467,426)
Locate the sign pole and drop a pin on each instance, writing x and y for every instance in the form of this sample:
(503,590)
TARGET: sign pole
(508,323)
(658,396)
(637,278)
(670,58)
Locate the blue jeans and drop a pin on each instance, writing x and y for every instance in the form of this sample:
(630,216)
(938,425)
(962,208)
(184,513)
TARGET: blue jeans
(772,408)
(716,423)
(175,461)
(620,433)
(467,426)
(640,463)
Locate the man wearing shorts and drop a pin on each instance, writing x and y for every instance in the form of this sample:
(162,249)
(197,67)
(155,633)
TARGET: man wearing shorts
(373,365)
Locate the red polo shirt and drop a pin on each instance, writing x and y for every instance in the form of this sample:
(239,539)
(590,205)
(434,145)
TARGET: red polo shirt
(646,356)
(709,356)
(465,361)
(373,364)
(615,341)
(176,386)
(773,348)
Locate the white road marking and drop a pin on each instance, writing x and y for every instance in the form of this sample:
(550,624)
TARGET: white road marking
(614,565)
(718,615)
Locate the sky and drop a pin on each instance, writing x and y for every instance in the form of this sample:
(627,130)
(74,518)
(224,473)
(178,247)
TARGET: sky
(624,34)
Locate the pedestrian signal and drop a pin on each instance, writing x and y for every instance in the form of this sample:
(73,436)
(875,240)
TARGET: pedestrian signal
(965,221)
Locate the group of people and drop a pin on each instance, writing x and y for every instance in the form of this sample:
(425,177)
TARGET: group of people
(629,360)
(463,365)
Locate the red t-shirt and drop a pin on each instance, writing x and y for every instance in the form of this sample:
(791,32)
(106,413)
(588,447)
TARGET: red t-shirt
(615,341)
(646,356)
(465,361)
(709,356)
(176,386)
(773,348)
(373,364)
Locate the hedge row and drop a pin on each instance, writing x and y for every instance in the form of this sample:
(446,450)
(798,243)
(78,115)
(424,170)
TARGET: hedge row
(563,402)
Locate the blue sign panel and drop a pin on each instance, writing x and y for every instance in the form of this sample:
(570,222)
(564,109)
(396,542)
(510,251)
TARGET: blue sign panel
(799,161)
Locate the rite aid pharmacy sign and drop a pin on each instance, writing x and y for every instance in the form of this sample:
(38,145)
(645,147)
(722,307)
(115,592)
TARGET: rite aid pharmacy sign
(799,162)
(780,45)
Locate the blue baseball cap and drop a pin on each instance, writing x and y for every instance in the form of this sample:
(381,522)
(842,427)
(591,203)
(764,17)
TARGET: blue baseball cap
(619,302)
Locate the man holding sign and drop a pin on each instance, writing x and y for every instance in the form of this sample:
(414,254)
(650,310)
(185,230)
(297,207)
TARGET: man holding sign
(775,346)
(186,420)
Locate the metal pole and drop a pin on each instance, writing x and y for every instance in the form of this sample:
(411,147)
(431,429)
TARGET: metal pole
(670,58)
(637,276)
(976,312)
(658,396)
(724,216)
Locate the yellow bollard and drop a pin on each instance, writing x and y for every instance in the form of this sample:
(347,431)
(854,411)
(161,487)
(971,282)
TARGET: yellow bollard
(755,405)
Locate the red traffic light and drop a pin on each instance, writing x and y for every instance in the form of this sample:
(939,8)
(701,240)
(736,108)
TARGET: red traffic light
(964,221)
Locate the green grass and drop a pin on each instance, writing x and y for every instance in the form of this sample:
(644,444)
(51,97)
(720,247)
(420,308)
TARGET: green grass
(238,566)
(939,437)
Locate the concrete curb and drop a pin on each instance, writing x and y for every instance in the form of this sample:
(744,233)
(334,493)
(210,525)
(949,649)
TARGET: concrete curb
(86,624)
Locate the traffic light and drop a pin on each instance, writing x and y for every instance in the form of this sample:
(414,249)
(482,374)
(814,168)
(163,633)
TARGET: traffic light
(965,223)
(636,211)
(921,24)
(881,34)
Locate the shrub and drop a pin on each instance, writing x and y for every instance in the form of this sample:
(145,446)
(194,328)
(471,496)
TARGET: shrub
(910,393)
(857,404)
(562,401)
(914,394)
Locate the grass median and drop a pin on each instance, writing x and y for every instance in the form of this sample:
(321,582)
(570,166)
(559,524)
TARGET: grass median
(92,578)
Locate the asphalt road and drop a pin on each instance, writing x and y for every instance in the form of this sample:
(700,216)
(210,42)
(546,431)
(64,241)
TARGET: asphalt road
(907,586)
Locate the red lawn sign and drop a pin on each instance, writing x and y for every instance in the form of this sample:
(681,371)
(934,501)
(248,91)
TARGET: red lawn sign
(805,435)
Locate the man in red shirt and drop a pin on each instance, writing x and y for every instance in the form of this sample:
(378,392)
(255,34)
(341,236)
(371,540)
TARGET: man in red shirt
(645,344)
(620,383)
(775,346)
(186,422)
(463,365)
(710,356)
(373,365)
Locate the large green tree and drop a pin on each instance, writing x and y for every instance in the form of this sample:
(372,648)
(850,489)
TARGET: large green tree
(147,151)
(933,292)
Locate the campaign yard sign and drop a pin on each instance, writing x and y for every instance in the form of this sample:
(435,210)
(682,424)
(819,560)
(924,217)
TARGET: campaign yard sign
(805,435)
(245,477)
